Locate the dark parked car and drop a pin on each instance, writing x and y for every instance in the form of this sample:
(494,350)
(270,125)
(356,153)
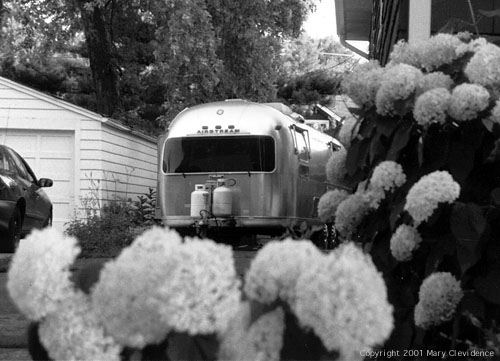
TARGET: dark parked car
(23,203)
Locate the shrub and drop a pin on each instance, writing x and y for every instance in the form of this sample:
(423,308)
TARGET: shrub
(103,235)
(433,110)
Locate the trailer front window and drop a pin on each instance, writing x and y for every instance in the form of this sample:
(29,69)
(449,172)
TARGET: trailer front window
(219,154)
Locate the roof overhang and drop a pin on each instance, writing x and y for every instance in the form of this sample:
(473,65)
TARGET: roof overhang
(353,22)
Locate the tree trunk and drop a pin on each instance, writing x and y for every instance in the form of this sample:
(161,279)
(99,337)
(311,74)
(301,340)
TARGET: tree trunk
(102,63)
(1,14)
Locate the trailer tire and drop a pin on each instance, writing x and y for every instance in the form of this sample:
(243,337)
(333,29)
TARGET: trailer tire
(326,238)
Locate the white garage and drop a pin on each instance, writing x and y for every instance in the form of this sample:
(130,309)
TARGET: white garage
(89,157)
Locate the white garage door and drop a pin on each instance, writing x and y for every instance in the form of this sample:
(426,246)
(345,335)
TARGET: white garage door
(51,155)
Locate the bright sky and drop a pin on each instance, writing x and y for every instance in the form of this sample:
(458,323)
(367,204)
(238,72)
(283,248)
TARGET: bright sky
(322,22)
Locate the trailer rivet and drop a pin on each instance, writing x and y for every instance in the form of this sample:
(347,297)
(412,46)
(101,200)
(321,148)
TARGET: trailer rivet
(220,111)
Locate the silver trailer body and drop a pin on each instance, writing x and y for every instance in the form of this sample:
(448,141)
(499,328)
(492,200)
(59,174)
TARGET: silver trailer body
(273,165)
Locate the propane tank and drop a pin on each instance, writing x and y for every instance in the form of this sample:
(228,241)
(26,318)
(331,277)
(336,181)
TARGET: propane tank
(199,200)
(222,205)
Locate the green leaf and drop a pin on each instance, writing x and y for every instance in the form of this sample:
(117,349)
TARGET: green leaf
(399,141)
(367,127)
(386,125)
(396,209)
(488,124)
(472,304)
(460,161)
(356,156)
(467,226)
(182,346)
(434,149)
(488,287)
(377,149)
(401,336)
(495,196)
(442,247)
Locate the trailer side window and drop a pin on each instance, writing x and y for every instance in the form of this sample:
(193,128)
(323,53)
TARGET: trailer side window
(301,143)
(219,154)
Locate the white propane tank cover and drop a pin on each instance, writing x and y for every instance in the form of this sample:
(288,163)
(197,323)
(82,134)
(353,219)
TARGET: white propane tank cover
(199,200)
(222,200)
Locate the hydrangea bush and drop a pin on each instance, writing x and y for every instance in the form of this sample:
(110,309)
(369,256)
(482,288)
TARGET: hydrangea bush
(169,298)
(425,161)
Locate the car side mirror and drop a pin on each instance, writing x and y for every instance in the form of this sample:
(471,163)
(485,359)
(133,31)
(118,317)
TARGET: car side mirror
(45,182)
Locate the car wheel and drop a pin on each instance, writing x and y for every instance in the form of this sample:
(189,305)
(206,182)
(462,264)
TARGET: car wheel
(14,232)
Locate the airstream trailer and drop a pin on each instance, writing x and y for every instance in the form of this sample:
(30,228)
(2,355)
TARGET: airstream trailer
(236,168)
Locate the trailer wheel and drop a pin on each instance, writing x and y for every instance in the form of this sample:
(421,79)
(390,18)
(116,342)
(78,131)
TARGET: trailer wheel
(326,238)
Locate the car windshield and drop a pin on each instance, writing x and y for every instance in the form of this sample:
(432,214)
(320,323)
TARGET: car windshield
(219,154)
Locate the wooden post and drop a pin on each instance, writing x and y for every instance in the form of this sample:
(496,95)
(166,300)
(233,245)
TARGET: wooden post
(419,27)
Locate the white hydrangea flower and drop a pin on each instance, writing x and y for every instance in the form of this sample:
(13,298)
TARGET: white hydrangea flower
(159,284)
(431,190)
(39,273)
(467,100)
(350,213)
(495,113)
(440,49)
(202,294)
(432,107)
(439,296)
(274,271)
(260,341)
(429,54)
(404,53)
(74,332)
(404,241)
(336,167)
(124,296)
(435,80)
(400,83)
(386,177)
(471,46)
(328,203)
(348,131)
(343,299)
(483,67)
(362,84)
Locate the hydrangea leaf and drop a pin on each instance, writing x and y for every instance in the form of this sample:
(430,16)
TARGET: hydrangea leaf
(377,149)
(399,140)
(495,196)
(487,287)
(473,305)
(460,161)
(386,125)
(443,246)
(434,149)
(356,157)
(467,226)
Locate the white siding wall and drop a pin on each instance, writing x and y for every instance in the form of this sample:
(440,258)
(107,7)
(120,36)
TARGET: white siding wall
(43,133)
(107,162)
(115,163)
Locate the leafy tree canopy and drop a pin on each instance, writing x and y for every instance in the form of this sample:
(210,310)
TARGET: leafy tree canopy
(311,71)
(142,61)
